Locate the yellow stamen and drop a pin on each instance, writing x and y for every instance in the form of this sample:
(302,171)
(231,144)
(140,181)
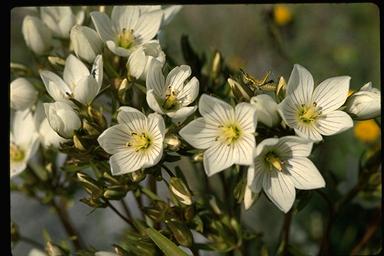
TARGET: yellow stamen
(16,153)
(274,161)
(139,141)
(170,101)
(126,38)
(230,133)
(308,114)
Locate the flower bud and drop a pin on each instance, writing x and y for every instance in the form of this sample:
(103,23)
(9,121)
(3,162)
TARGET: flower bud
(181,233)
(364,104)
(266,109)
(172,142)
(62,118)
(36,34)
(89,184)
(141,59)
(23,94)
(115,193)
(86,43)
(54,250)
(180,191)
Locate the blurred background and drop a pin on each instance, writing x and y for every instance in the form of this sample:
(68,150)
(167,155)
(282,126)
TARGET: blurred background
(329,40)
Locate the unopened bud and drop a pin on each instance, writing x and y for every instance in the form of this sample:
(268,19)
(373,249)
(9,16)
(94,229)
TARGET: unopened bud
(181,233)
(115,194)
(78,143)
(54,60)
(137,176)
(198,157)
(172,142)
(97,117)
(216,64)
(180,191)
(89,184)
(54,250)
(214,206)
(91,129)
(281,86)
(122,90)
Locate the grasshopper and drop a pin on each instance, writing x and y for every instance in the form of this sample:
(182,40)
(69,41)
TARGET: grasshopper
(260,85)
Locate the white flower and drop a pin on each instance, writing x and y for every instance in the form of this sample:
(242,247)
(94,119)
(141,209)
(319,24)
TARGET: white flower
(47,136)
(364,104)
(225,132)
(135,142)
(37,35)
(78,81)
(140,60)
(280,166)
(168,12)
(312,113)
(171,96)
(128,28)
(266,109)
(23,94)
(24,141)
(60,19)
(62,118)
(86,43)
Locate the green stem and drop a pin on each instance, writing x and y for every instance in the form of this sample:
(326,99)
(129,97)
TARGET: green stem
(126,209)
(120,215)
(149,193)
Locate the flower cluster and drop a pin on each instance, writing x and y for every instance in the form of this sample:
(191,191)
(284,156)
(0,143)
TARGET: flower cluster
(116,97)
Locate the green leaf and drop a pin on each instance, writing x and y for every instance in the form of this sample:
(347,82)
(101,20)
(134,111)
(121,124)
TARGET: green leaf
(165,245)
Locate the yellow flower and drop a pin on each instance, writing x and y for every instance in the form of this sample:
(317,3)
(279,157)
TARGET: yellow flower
(367,131)
(282,14)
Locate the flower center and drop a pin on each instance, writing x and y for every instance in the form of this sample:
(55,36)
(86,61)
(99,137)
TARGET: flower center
(274,161)
(171,101)
(230,133)
(126,38)
(308,114)
(139,141)
(16,153)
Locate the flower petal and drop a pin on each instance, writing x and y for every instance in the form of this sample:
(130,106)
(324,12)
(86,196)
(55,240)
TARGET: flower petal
(97,70)
(177,76)
(132,118)
(153,103)
(255,179)
(148,26)
(55,86)
(288,112)
(74,71)
(136,63)
(215,111)
(124,17)
(217,158)
(304,173)
(155,78)
(189,92)
(265,145)
(156,126)
(169,13)
(243,150)
(114,139)
(199,133)
(246,116)
(334,122)
(86,90)
(308,132)
(300,85)
(103,26)
(17,167)
(23,127)
(293,146)
(119,51)
(181,114)
(126,162)
(280,190)
(331,93)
